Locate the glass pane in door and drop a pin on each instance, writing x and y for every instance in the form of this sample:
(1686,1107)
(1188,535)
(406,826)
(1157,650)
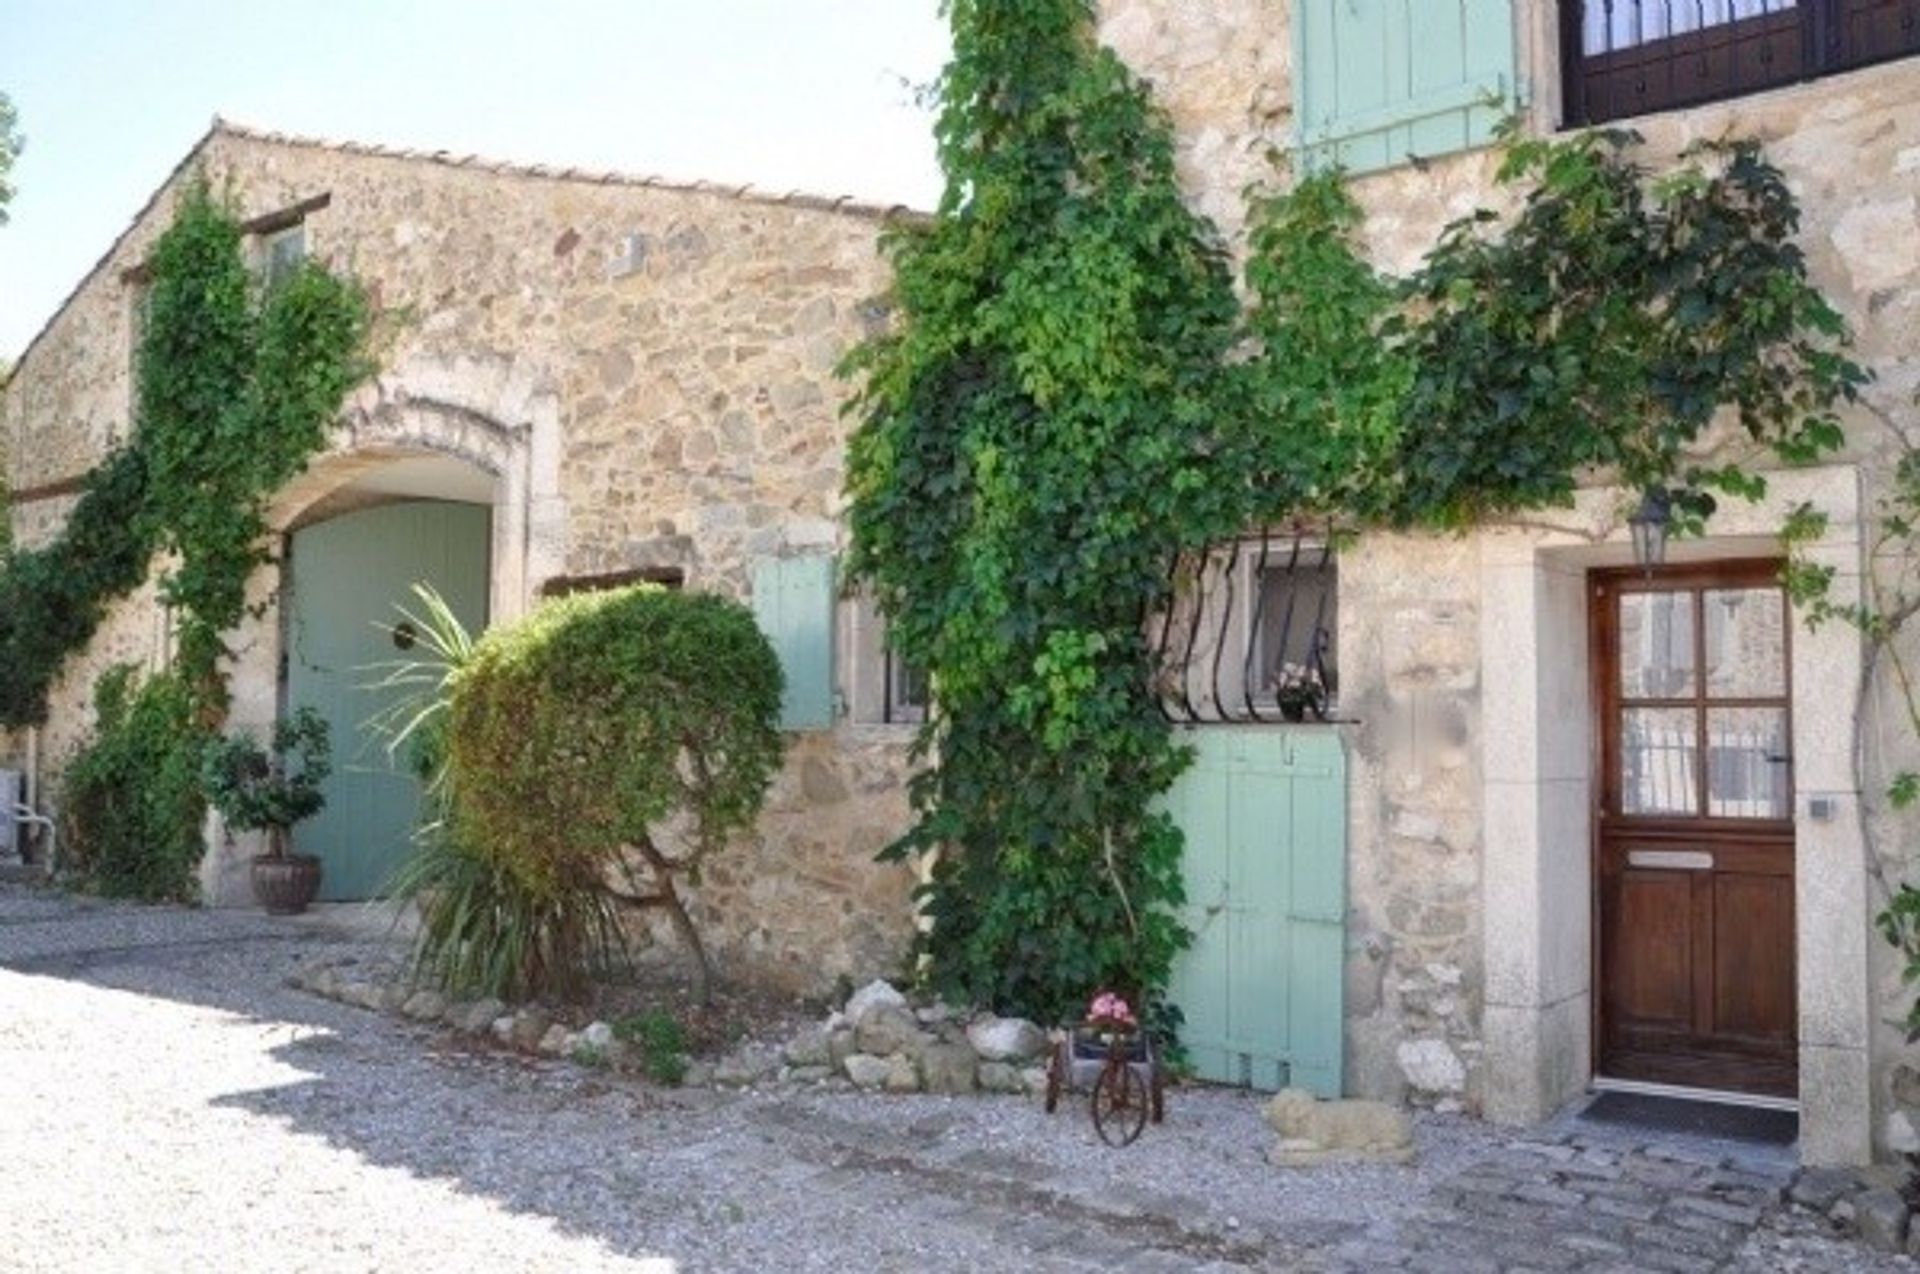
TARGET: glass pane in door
(1659,761)
(1656,646)
(1746,643)
(1748,772)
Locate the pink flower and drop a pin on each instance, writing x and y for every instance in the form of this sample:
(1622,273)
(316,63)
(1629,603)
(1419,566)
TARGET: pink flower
(1108,1007)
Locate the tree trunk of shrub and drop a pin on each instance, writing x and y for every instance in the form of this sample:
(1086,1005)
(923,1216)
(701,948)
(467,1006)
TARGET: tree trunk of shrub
(668,899)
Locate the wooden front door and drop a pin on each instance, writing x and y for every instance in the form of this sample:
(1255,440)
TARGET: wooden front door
(1694,846)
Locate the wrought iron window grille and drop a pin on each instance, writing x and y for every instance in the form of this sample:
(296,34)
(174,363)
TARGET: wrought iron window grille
(1249,625)
(1623,58)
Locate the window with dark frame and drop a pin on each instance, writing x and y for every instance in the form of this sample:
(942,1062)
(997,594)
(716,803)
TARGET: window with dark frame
(1623,58)
(876,685)
(904,692)
(1297,616)
(281,253)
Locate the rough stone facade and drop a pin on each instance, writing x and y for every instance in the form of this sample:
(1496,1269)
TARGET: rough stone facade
(1429,980)
(644,373)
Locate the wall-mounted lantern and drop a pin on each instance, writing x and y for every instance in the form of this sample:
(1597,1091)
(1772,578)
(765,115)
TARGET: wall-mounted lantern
(1649,525)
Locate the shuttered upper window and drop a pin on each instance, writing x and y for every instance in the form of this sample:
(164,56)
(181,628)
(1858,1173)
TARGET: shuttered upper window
(1380,82)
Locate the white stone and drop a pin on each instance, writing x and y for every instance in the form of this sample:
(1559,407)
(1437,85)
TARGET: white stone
(1431,1067)
(1000,1077)
(877,994)
(1880,242)
(867,1070)
(811,1047)
(1006,1039)
(749,1065)
(1901,1136)
(903,1076)
(597,1035)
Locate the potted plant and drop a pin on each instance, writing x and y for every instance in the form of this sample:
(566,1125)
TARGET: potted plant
(1298,690)
(269,791)
(1110,1025)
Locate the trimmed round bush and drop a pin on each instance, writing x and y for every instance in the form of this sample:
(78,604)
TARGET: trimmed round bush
(609,742)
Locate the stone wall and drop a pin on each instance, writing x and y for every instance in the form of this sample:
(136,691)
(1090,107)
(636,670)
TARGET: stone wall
(1410,640)
(646,373)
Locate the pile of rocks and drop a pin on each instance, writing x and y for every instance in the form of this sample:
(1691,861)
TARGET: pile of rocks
(530,1029)
(1870,1204)
(879,1041)
(882,1041)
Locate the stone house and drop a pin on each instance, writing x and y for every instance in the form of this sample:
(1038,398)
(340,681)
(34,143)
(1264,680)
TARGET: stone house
(1590,826)
(592,379)
(1546,887)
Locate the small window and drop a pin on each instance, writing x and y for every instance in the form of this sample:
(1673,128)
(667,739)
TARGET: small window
(139,306)
(878,687)
(281,254)
(906,691)
(1294,653)
(1248,634)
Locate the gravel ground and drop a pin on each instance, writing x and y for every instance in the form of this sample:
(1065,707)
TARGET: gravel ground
(175,1104)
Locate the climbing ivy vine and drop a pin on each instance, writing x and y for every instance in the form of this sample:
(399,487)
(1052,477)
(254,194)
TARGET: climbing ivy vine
(235,388)
(1071,394)
(1034,444)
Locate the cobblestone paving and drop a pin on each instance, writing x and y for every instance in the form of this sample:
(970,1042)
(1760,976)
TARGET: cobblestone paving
(1590,1202)
(173,1104)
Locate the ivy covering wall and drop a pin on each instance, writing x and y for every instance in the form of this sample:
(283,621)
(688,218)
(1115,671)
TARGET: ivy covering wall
(235,387)
(1071,394)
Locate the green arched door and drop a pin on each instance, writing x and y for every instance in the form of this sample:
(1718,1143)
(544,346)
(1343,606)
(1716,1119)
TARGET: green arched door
(347,576)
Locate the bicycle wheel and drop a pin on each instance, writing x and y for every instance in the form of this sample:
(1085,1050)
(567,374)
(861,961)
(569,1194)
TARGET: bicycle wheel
(1119,1105)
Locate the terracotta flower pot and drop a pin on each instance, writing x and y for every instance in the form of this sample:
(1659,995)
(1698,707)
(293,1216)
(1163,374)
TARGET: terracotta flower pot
(285,883)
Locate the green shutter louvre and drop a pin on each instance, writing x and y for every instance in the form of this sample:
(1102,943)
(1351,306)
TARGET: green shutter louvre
(1378,82)
(793,600)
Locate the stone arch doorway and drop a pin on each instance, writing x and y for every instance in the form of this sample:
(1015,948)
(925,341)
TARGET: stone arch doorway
(465,432)
(346,580)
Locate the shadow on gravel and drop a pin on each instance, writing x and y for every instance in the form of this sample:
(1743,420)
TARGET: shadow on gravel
(546,1139)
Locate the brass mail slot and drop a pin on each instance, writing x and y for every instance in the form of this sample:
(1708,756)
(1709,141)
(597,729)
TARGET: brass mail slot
(1672,859)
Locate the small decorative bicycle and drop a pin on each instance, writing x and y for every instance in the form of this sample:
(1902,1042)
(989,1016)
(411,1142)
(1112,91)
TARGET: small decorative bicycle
(1115,1060)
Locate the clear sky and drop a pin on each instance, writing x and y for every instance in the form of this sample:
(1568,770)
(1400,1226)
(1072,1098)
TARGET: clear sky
(811,95)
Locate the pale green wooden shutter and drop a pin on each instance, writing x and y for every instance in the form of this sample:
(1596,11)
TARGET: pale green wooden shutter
(793,599)
(1264,814)
(1377,82)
